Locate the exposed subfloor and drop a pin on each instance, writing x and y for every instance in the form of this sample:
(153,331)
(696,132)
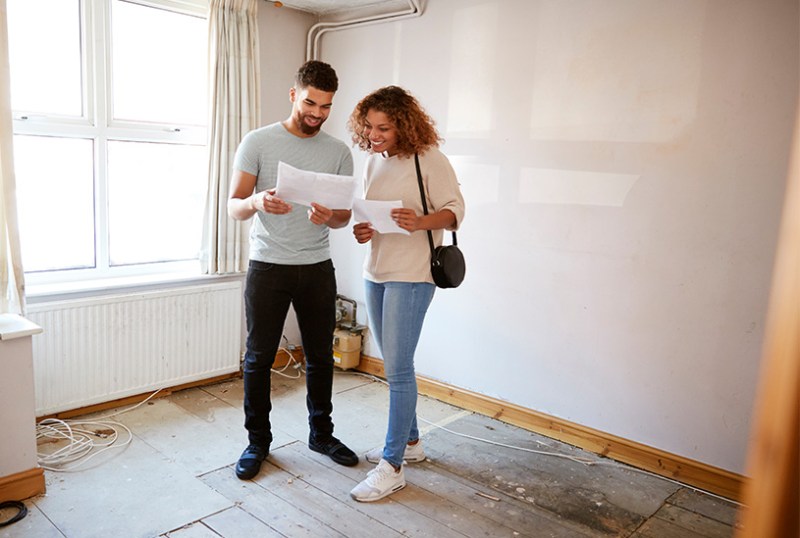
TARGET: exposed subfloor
(175,479)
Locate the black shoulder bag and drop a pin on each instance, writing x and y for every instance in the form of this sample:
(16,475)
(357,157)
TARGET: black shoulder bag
(447,261)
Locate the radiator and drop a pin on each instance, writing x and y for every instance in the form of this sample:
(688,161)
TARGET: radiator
(99,349)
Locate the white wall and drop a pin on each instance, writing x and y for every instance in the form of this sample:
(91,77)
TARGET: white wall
(623,164)
(281,40)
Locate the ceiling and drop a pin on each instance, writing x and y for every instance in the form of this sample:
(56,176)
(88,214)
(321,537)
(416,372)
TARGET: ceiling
(324,7)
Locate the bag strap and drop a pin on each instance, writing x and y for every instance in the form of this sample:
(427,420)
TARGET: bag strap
(424,203)
(422,195)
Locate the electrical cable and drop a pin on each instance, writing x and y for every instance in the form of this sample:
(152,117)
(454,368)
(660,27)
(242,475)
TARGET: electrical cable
(85,439)
(82,435)
(292,361)
(22,511)
(577,459)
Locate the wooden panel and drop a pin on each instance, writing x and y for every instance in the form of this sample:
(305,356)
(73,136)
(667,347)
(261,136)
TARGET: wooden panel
(772,494)
(19,486)
(663,463)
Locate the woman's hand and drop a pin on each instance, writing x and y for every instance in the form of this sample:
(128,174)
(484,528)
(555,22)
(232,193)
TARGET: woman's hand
(407,219)
(363,232)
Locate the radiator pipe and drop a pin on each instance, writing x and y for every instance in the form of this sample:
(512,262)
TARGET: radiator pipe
(353,324)
(316,31)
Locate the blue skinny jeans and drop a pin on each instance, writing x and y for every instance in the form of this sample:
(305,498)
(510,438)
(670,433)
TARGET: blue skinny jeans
(396,312)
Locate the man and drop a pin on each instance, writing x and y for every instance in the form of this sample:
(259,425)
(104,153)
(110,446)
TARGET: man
(290,262)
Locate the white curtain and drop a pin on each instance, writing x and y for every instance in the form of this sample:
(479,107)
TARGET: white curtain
(235,110)
(12,280)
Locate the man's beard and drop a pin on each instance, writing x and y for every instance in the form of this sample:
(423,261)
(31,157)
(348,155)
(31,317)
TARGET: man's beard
(306,128)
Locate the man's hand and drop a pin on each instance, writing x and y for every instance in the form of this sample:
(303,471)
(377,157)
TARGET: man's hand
(267,202)
(319,214)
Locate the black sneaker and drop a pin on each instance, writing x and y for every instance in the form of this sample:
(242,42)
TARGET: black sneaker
(334,449)
(250,461)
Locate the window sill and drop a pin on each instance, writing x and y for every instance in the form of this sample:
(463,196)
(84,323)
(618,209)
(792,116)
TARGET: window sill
(40,293)
(14,326)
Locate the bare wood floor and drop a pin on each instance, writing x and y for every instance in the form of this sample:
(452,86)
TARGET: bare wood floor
(176,479)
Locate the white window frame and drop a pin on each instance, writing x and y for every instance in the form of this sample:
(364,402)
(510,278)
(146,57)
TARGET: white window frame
(97,124)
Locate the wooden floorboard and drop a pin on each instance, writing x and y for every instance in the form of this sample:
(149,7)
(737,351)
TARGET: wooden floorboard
(693,522)
(468,487)
(471,488)
(394,512)
(279,514)
(495,510)
(238,523)
(600,498)
(432,504)
(661,528)
(706,505)
(329,509)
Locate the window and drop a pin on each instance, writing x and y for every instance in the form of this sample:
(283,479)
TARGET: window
(109,135)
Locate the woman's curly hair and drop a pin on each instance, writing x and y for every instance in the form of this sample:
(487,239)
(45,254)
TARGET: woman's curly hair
(416,131)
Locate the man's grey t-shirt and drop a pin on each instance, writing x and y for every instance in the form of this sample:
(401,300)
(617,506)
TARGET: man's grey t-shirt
(289,239)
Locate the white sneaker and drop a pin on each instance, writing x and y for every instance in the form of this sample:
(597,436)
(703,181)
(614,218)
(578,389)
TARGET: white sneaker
(381,481)
(413,454)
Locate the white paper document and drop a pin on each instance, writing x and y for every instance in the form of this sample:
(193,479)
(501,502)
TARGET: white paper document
(379,214)
(303,187)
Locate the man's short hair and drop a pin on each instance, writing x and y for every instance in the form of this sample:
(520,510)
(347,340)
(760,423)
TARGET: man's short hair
(318,75)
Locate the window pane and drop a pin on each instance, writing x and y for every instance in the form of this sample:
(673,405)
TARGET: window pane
(44,40)
(156,201)
(55,200)
(160,65)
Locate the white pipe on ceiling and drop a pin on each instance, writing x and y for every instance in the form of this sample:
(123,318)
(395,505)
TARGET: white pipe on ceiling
(316,31)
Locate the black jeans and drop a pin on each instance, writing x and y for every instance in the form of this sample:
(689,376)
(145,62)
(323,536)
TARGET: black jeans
(269,291)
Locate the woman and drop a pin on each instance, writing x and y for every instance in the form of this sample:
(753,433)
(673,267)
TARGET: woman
(392,126)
